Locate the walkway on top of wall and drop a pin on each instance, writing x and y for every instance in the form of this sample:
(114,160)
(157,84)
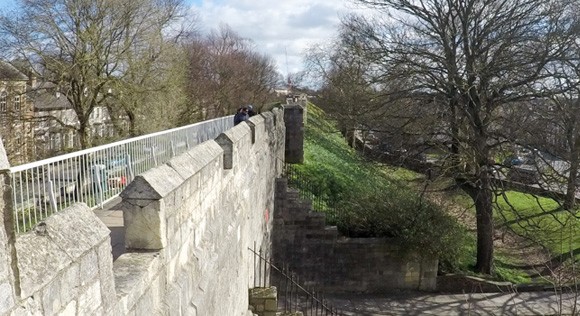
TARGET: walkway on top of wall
(113,218)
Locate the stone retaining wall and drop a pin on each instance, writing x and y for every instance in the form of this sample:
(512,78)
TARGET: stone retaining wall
(189,226)
(338,264)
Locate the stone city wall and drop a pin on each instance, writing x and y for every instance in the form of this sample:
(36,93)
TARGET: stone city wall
(189,224)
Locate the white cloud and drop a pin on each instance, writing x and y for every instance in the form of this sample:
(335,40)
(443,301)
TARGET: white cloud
(280,29)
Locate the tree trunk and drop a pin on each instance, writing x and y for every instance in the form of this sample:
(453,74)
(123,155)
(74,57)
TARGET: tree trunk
(570,199)
(482,195)
(84,136)
(484,216)
(132,123)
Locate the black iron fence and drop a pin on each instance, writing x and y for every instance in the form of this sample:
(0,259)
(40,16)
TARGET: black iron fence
(311,191)
(292,296)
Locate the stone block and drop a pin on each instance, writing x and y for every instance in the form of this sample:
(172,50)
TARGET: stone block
(184,165)
(106,277)
(145,305)
(39,261)
(28,306)
(76,229)
(6,296)
(51,298)
(89,267)
(70,309)
(153,184)
(90,300)
(134,273)
(229,141)
(271,305)
(70,283)
(145,227)
(205,153)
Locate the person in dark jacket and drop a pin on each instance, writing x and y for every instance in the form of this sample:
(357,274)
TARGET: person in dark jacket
(241,115)
(251,111)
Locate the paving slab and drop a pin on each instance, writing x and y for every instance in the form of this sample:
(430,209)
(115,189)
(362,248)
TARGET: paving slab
(527,303)
(113,218)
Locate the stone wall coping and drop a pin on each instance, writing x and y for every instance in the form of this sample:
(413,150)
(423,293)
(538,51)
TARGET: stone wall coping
(153,184)
(193,160)
(235,134)
(134,272)
(365,240)
(257,119)
(204,153)
(54,244)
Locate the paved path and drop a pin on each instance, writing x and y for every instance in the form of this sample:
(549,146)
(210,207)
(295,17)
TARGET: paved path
(114,221)
(406,303)
(527,303)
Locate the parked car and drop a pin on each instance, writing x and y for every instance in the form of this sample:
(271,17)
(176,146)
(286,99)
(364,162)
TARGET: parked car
(527,174)
(513,161)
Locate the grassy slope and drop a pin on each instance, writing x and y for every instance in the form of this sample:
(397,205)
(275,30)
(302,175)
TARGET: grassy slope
(335,168)
(372,200)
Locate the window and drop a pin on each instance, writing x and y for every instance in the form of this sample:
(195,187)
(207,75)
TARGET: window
(3,107)
(71,139)
(17,104)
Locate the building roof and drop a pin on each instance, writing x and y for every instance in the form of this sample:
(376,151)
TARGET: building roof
(9,72)
(47,100)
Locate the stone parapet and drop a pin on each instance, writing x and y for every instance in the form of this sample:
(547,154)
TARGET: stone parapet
(294,119)
(189,226)
(66,266)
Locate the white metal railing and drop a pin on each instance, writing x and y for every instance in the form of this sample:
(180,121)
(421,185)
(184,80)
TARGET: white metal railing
(97,175)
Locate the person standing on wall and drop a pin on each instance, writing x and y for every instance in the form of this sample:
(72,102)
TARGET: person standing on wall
(241,115)
(251,111)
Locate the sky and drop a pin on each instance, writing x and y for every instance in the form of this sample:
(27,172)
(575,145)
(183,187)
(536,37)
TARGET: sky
(282,29)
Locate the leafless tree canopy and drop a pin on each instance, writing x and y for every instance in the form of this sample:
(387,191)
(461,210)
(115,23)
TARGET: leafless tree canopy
(224,74)
(88,47)
(449,71)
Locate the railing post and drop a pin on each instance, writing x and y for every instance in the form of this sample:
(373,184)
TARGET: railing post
(99,186)
(172,147)
(129,166)
(153,156)
(51,196)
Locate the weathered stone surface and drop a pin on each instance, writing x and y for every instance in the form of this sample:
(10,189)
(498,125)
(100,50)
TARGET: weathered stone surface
(205,153)
(200,217)
(302,233)
(40,260)
(90,300)
(6,297)
(4,163)
(145,228)
(70,235)
(76,229)
(228,140)
(134,273)
(153,184)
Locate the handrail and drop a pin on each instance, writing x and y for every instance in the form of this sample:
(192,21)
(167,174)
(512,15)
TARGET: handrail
(96,175)
(296,297)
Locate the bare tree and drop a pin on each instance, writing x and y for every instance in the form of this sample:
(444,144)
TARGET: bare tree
(225,73)
(468,59)
(84,47)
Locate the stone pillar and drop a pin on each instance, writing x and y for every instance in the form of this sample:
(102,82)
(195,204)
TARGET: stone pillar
(264,301)
(144,208)
(294,121)
(9,275)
